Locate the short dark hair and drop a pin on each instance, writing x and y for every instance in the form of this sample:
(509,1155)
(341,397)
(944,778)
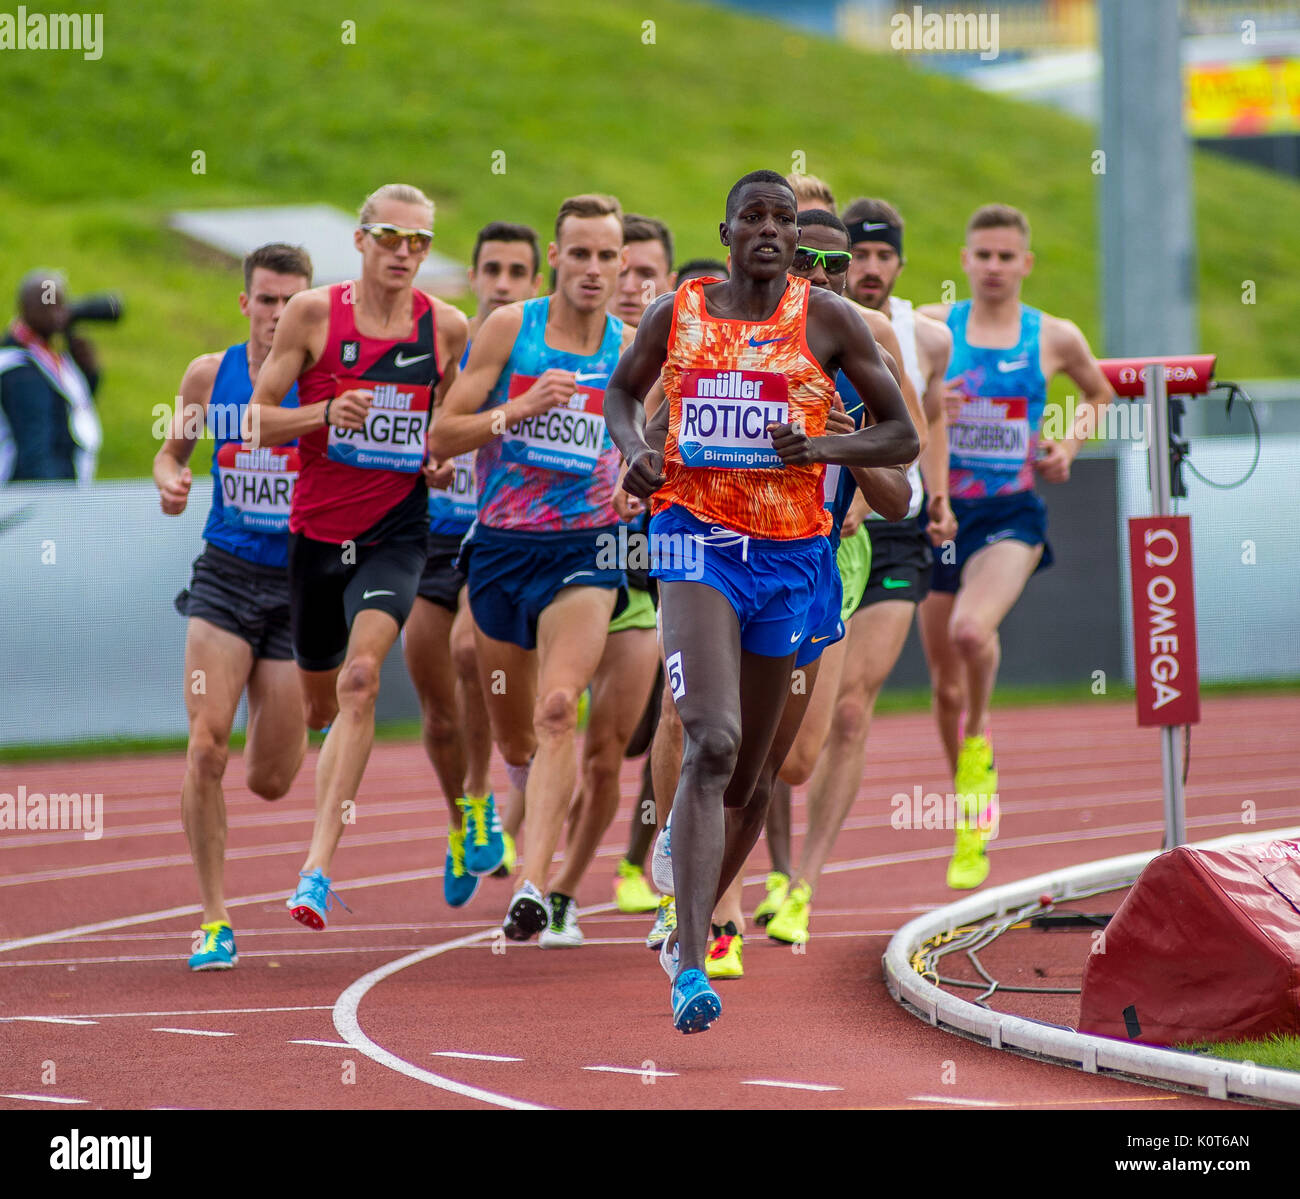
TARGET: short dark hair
(999,216)
(507,231)
(647,228)
(881,211)
(733,196)
(828,220)
(701,268)
(279,257)
(590,204)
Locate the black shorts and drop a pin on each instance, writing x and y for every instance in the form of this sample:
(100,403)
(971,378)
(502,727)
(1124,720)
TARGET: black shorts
(243,598)
(329,584)
(441,581)
(901,563)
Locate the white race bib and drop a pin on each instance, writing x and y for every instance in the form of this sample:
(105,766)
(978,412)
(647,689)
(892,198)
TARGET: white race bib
(394,432)
(569,439)
(459,501)
(992,430)
(724,418)
(257,486)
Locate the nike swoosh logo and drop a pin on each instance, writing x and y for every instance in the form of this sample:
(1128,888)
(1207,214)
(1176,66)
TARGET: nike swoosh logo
(577,574)
(585,378)
(400,360)
(1006,367)
(876,225)
(998,536)
(371,594)
(755,343)
(890,584)
(795,636)
(819,640)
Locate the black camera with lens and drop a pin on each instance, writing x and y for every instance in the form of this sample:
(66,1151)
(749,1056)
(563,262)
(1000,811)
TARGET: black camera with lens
(104,306)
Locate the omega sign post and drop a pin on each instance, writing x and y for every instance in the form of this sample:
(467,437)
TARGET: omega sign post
(1160,570)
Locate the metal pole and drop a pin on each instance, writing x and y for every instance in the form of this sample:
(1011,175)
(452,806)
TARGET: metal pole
(1171,748)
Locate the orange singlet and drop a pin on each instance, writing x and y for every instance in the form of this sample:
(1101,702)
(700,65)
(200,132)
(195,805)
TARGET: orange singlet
(726,381)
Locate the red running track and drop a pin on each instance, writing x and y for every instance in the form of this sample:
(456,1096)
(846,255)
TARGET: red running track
(97,1006)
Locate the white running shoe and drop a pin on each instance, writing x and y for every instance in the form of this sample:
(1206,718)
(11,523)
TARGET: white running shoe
(661,861)
(527,914)
(563,931)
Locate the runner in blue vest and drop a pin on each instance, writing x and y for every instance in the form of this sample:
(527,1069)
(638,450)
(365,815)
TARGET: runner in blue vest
(1004,354)
(237,637)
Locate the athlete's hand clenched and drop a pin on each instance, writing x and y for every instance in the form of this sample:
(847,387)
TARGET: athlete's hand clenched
(349,410)
(553,389)
(175,495)
(645,474)
(793,444)
(439,475)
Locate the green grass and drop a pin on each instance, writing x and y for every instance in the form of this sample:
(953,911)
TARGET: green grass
(1278,1052)
(97,153)
(911,699)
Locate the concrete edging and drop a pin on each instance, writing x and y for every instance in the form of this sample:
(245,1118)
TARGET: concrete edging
(1147,1064)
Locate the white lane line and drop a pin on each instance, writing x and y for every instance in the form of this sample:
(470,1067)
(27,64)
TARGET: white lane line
(116,959)
(51,1019)
(196,1032)
(475,1057)
(954,1101)
(193,909)
(203,1011)
(327,1044)
(792,1086)
(345,1021)
(645,1073)
(44,1098)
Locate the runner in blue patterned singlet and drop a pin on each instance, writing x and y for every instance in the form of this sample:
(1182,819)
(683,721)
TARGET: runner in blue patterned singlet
(438,639)
(237,636)
(1004,356)
(531,402)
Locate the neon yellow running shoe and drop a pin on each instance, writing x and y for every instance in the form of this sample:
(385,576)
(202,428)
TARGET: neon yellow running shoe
(724,958)
(778,886)
(970,864)
(790,924)
(976,783)
(507,867)
(631,892)
(584,709)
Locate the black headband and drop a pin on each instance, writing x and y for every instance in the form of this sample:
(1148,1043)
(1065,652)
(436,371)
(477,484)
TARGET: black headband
(875,231)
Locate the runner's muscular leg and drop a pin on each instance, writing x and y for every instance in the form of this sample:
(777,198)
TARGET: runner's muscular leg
(876,637)
(508,681)
(619,690)
(476,730)
(991,583)
(277,728)
(571,636)
(426,645)
(217,665)
(347,746)
(947,671)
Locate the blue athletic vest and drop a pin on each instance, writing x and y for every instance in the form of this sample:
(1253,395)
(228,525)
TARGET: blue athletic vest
(236,530)
(993,442)
(555,471)
(839,486)
(452,511)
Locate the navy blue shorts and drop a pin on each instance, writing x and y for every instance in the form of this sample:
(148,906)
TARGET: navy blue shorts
(827,628)
(779,590)
(984,522)
(514,575)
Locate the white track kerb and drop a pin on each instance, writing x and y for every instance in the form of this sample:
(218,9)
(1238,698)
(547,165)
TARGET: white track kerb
(1097,1055)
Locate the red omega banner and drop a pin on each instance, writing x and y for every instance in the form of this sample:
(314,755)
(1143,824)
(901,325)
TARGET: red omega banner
(1164,620)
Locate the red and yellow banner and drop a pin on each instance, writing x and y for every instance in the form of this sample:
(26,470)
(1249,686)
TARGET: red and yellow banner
(1242,99)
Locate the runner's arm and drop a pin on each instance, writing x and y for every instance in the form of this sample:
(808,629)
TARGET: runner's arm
(636,373)
(885,489)
(171,472)
(1070,348)
(935,340)
(892,353)
(291,354)
(891,438)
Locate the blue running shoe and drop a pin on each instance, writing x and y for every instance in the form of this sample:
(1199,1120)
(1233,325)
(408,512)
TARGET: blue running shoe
(458,885)
(695,1004)
(309,903)
(485,847)
(218,951)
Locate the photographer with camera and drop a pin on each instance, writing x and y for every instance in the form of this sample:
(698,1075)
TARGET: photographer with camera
(49,428)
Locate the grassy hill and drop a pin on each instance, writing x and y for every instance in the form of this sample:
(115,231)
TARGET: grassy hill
(93,155)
